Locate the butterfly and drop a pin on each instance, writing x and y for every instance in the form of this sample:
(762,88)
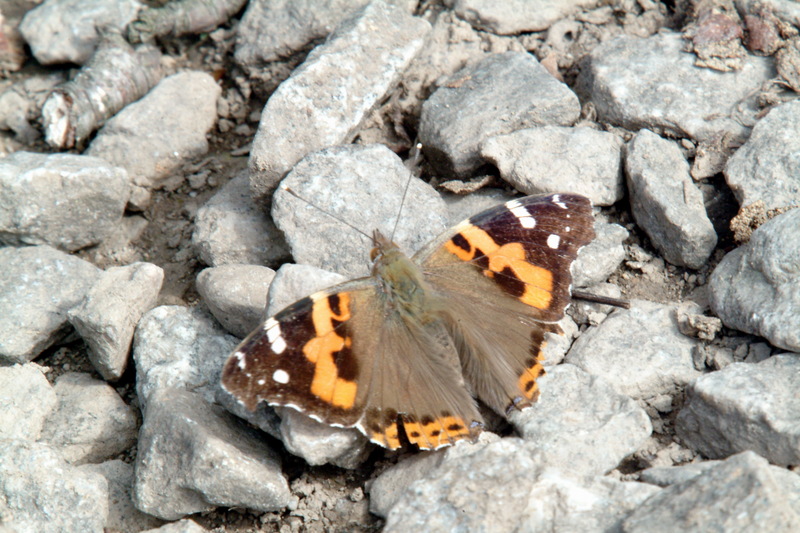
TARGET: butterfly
(401,354)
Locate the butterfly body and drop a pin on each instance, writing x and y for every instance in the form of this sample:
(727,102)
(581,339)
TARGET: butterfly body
(400,354)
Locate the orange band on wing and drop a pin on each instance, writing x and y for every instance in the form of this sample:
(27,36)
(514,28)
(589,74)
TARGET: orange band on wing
(509,259)
(322,351)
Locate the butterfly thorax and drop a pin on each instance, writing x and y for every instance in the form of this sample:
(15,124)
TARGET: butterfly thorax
(403,286)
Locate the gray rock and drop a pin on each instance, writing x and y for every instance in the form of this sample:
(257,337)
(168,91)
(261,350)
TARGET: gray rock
(44,27)
(500,94)
(745,406)
(272,30)
(179,347)
(591,313)
(92,424)
(152,137)
(556,346)
(292,282)
(664,476)
(64,200)
(38,286)
(107,316)
(517,16)
(754,287)
(503,487)
(236,295)
(639,351)
(21,103)
(666,203)
(580,424)
(317,106)
(652,83)
(461,207)
(231,228)
(787,10)
(39,491)
(181,526)
(557,159)
(26,399)
(601,257)
(122,515)
(331,175)
(194,457)
(767,167)
(741,494)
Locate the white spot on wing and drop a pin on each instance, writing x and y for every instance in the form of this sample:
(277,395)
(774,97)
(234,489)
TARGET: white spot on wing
(522,214)
(242,364)
(280,376)
(261,381)
(276,341)
(558,202)
(553,241)
(278,346)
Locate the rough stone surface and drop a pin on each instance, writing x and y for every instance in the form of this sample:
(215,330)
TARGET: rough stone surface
(64,200)
(152,137)
(108,315)
(581,160)
(517,16)
(756,287)
(349,172)
(44,27)
(665,201)
(741,494)
(38,285)
(236,295)
(122,515)
(271,30)
(222,462)
(500,94)
(651,83)
(231,228)
(767,166)
(92,423)
(664,476)
(21,418)
(503,487)
(745,406)
(639,351)
(39,491)
(179,347)
(580,424)
(181,526)
(601,257)
(317,106)
(292,282)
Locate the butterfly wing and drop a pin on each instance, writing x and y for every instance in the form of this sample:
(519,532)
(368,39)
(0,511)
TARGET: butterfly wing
(339,357)
(504,275)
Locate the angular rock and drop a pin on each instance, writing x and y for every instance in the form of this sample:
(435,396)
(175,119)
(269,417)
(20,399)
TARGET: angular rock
(181,526)
(236,295)
(557,159)
(152,137)
(350,172)
(461,207)
(766,167)
(64,200)
(272,30)
(292,282)
(580,424)
(317,106)
(122,515)
(745,406)
(741,494)
(179,347)
(666,203)
(500,94)
(223,462)
(601,257)
(91,424)
(107,317)
(21,103)
(26,399)
(517,16)
(664,476)
(44,27)
(639,351)
(754,287)
(39,491)
(38,286)
(652,83)
(231,228)
(524,496)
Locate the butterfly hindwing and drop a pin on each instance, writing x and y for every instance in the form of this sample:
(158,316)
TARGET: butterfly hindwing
(504,276)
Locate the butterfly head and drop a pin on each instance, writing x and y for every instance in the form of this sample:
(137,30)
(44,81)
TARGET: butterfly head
(382,248)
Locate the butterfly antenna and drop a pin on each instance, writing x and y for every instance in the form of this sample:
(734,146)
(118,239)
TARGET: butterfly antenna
(413,164)
(335,217)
